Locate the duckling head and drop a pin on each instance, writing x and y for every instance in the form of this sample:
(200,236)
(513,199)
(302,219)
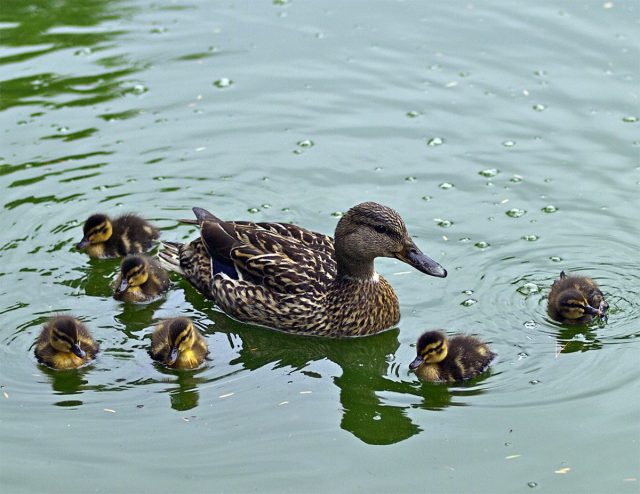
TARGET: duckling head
(97,229)
(371,230)
(572,304)
(181,338)
(432,347)
(64,336)
(134,272)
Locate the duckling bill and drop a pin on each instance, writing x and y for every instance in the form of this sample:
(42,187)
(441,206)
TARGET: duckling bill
(104,237)
(576,300)
(65,343)
(442,359)
(178,344)
(141,280)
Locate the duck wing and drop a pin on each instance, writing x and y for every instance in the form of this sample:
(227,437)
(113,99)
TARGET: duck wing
(276,257)
(313,240)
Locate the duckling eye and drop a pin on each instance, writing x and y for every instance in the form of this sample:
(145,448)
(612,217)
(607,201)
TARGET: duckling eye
(381,229)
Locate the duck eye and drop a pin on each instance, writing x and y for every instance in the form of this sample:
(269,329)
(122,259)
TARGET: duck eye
(381,229)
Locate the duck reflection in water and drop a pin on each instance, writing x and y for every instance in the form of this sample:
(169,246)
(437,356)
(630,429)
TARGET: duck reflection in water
(367,387)
(183,387)
(67,384)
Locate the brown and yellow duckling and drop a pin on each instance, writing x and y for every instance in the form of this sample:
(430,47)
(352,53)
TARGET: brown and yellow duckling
(141,279)
(442,359)
(177,343)
(576,300)
(65,343)
(127,234)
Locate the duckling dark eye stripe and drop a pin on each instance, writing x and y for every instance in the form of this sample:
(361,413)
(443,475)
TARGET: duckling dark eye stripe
(434,349)
(183,336)
(64,337)
(134,271)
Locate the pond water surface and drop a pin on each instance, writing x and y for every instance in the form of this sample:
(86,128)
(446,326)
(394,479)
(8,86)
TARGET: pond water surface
(506,133)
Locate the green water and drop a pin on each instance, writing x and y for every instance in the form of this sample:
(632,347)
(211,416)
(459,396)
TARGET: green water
(506,133)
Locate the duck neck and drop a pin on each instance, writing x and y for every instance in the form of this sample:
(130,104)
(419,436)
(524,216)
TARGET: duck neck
(354,269)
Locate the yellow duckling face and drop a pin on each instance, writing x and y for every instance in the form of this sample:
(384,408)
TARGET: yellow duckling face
(64,337)
(432,348)
(181,339)
(97,229)
(573,305)
(371,230)
(134,271)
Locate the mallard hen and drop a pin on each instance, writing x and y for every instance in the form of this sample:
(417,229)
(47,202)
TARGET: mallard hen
(291,279)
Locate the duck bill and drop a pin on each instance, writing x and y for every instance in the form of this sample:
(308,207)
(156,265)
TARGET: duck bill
(82,244)
(416,363)
(423,263)
(77,351)
(122,287)
(592,311)
(173,356)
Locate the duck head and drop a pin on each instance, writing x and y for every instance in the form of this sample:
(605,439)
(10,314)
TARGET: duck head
(64,336)
(134,271)
(432,347)
(371,230)
(181,338)
(97,229)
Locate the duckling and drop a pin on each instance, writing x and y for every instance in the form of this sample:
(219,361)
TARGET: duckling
(456,359)
(141,280)
(127,234)
(65,343)
(576,300)
(177,343)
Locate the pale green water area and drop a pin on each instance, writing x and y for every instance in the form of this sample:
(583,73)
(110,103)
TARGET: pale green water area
(507,135)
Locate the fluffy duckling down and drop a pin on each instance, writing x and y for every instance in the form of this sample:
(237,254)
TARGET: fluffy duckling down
(65,343)
(141,280)
(178,344)
(104,237)
(576,300)
(442,359)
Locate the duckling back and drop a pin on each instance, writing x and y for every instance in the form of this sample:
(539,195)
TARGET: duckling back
(65,343)
(126,234)
(468,357)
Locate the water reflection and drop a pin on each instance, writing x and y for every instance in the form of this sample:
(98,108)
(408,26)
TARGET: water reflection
(44,27)
(364,383)
(94,279)
(369,378)
(134,317)
(67,382)
(183,393)
(570,339)
(364,363)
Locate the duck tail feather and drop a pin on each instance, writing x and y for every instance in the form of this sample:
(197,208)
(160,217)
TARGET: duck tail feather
(169,257)
(204,215)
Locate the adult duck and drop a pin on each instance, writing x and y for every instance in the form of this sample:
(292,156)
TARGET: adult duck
(291,279)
